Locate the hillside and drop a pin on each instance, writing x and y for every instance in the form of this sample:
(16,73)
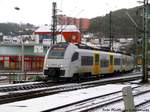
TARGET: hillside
(120,22)
(16,29)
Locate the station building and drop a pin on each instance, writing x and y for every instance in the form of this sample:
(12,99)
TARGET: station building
(11,57)
(67,33)
(81,23)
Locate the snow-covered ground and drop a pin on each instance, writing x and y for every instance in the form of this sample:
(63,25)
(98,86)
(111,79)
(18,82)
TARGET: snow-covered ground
(52,101)
(3,77)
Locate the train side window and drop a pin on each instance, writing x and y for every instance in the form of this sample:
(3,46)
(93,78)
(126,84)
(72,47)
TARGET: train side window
(123,61)
(104,63)
(111,59)
(86,60)
(117,61)
(104,60)
(75,56)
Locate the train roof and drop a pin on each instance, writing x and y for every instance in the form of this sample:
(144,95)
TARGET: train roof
(106,49)
(84,46)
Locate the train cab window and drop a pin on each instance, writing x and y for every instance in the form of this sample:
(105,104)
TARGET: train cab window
(75,56)
(57,52)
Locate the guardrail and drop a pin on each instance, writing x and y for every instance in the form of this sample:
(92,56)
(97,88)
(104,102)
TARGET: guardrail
(17,75)
(16,72)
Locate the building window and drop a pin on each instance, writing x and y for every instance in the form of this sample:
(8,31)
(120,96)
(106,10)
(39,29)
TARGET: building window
(31,63)
(1,63)
(12,63)
(6,62)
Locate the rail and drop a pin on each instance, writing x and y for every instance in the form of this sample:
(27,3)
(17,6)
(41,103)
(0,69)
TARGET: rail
(11,93)
(108,102)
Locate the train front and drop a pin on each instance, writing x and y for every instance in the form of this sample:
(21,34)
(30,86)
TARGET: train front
(56,63)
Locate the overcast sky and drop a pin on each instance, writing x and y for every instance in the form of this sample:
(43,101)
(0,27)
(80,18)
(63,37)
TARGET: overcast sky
(39,12)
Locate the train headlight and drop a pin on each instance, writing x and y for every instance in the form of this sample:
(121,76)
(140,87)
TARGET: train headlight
(60,66)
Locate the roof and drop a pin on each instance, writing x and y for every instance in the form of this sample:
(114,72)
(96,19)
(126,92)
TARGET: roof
(60,28)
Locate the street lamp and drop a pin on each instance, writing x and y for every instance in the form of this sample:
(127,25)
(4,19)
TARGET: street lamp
(22,55)
(110,31)
(22,51)
(16,8)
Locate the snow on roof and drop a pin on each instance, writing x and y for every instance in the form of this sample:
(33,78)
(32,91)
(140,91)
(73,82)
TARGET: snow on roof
(60,28)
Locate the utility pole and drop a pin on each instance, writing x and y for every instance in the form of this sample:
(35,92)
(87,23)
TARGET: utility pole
(22,54)
(80,28)
(135,48)
(135,38)
(145,43)
(110,31)
(54,24)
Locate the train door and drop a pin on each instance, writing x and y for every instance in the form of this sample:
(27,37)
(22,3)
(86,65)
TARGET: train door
(96,64)
(74,65)
(111,63)
(122,63)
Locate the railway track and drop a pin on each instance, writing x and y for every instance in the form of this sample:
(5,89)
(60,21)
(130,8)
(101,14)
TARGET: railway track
(19,92)
(13,96)
(109,102)
(34,85)
(23,86)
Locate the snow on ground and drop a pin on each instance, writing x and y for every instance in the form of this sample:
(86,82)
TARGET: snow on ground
(52,101)
(3,77)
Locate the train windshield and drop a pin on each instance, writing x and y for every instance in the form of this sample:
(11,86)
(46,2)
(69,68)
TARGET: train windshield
(57,51)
